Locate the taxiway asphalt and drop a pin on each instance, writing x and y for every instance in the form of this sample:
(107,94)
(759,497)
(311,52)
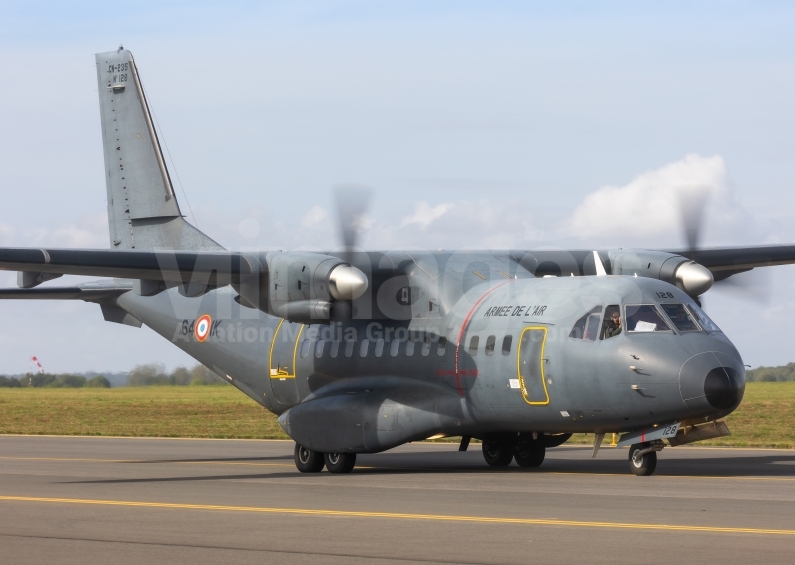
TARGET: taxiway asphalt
(143,501)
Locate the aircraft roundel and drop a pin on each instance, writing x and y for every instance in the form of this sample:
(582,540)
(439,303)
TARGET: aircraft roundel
(202,328)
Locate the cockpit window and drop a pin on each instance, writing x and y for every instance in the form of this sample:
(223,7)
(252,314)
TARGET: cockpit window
(644,318)
(680,317)
(703,319)
(588,326)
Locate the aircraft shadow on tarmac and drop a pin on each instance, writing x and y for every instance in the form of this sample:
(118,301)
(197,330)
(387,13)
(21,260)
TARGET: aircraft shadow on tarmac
(216,460)
(739,466)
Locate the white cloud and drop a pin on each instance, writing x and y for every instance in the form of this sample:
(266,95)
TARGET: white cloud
(424,214)
(314,216)
(647,210)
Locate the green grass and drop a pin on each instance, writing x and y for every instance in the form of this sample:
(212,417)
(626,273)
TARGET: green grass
(765,419)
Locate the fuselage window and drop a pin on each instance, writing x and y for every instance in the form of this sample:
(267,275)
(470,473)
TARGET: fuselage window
(680,317)
(335,348)
(394,346)
(379,347)
(587,327)
(644,318)
(703,319)
(319,346)
(473,345)
(490,341)
(425,349)
(506,344)
(409,348)
(305,348)
(364,347)
(349,348)
(442,346)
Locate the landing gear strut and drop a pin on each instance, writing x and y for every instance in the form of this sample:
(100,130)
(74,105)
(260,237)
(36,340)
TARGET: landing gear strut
(643,457)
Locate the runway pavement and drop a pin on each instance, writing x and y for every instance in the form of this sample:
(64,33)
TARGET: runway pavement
(130,500)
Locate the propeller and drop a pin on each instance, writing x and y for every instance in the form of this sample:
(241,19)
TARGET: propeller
(697,279)
(353,201)
(346,281)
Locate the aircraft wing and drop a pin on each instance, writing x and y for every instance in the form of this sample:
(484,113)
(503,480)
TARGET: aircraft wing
(726,261)
(212,267)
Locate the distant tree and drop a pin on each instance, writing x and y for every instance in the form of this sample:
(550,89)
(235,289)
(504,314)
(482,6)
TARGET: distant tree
(148,375)
(42,379)
(9,382)
(180,376)
(201,375)
(772,374)
(98,382)
(72,381)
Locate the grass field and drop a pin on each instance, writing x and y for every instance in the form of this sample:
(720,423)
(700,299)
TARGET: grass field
(765,419)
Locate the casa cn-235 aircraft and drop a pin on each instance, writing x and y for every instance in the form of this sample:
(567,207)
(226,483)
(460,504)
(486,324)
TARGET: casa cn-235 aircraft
(362,351)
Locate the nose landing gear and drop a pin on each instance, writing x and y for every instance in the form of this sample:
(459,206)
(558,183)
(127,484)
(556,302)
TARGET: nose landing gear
(309,461)
(643,457)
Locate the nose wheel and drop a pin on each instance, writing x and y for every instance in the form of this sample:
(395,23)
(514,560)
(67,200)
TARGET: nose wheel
(643,458)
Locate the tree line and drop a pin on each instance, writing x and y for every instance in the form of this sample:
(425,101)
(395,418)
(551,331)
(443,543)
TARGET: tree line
(141,375)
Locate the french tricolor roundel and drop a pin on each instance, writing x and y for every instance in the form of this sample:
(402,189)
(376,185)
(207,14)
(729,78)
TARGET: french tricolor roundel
(202,328)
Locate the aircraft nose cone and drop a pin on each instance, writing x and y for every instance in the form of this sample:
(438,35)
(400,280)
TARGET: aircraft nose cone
(693,278)
(347,282)
(712,381)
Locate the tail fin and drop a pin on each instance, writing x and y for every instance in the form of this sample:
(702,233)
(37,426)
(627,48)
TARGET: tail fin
(143,212)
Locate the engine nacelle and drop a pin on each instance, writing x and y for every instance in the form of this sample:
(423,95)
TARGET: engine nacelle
(685,274)
(301,287)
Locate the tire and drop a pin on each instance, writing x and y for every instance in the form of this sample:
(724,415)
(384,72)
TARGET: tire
(646,464)
(308,461)
(340,462)
(530,453)
(497,453)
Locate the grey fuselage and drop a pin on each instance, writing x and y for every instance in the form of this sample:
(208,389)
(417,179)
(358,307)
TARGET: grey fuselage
(353,386)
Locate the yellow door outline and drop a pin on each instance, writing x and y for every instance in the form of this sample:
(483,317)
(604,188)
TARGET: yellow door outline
(525,392)
(278,372)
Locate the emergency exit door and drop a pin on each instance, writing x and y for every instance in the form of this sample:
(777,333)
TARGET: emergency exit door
(282,360)
(530,365)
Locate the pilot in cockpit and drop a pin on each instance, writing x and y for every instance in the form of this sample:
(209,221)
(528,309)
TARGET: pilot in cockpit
(613,326)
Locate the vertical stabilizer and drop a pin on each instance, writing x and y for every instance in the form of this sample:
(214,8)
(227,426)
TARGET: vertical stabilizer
(143,212)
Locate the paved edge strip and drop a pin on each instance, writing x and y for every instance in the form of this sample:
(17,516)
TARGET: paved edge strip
(395,515)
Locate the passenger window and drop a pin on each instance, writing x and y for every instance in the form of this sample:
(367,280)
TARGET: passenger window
(506,344)
(587,327)
(305,348)
(473,345)
(319,346)
(335,348)
(442,346)
(379,347)
(703,319)
(490,341)
(349,348)
(409,348)
(680,317)
(644,318)
(364,347)
(426,347)
(394,345)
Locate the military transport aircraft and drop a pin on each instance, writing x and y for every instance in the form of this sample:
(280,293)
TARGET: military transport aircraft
(361,351)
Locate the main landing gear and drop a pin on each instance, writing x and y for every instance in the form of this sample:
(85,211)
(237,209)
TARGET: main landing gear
(528,452)
(308,461)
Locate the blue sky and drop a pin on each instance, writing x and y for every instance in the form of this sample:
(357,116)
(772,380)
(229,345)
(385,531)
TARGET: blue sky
(480,125)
